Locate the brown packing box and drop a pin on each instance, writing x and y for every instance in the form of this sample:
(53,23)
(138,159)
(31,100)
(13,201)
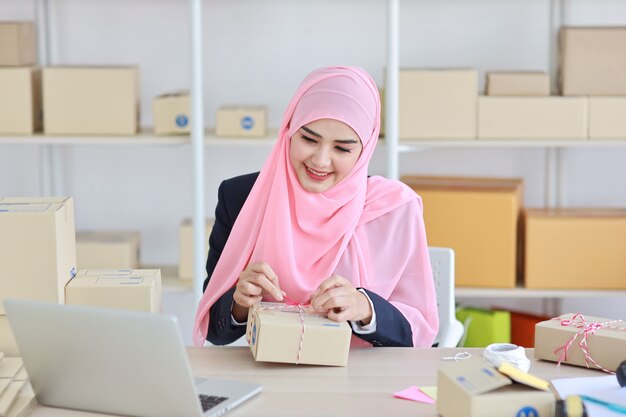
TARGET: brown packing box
(532,117)
(107,250)
(437,104)
(124,289)
(91,100)
(241,121)
(274,332)
(37,248)
(17,43)
(592,61)
(478,218)
(185,238)
(607,118)
(575,248)
(509,83)
(473,388)
(20,100)
(172,114)
(606,346)
(8,345)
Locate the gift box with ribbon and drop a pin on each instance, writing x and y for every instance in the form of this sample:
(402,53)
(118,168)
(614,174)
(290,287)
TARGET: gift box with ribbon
(297,334)
(594,342)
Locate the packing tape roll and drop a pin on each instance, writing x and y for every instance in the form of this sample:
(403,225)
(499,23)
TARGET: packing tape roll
(496,353)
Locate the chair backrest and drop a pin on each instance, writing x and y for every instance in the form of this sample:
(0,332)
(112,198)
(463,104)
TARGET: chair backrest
(450,329)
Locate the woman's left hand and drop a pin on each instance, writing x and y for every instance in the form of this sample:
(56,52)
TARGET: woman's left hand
(340,299)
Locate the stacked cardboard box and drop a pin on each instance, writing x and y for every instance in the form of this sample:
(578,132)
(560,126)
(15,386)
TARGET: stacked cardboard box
(185,239)
(16,393)
(478,218)
(437,104)
(510,83)
(17,44)
(575,248)
(241,121)
(91,100)
(107,250)
(172,114)
(126,289)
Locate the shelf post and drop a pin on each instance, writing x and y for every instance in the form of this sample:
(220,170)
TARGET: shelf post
(197,149)
(391,90)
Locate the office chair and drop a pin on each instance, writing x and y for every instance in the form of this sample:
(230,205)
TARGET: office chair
(450,329)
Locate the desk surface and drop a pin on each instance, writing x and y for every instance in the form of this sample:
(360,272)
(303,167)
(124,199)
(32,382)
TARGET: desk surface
(363,388)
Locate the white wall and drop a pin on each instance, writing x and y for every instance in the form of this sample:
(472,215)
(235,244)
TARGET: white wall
(257,52)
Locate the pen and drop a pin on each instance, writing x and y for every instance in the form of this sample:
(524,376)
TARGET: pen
(613,407)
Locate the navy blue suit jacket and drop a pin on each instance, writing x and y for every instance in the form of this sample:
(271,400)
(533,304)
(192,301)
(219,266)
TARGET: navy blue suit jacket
(392,328)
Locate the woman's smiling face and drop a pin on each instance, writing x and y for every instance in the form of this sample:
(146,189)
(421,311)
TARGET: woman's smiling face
(323,153)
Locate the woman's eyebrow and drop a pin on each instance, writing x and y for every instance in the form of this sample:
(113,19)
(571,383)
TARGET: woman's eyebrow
(345,141)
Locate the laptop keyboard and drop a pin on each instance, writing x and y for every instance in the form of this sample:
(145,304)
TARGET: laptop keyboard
(210,401)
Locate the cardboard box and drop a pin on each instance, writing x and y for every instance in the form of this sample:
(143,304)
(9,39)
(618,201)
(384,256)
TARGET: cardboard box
(107,250)
(523,328)
(575,248)
(17,44)
(478,218)
(37,248)
(606,118)
(509,83)
(185,238)
(532,117)
(91,100)
(437,104)
(241,121)
(473,388)
(606,345)
(484,327)
(172,114)
(8,345)
(20,101)
(592,61)
(124,289)
(274,332)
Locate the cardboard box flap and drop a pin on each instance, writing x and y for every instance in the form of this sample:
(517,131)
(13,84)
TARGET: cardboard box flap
(475,377)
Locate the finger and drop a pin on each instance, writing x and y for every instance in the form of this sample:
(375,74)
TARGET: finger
(321,300)
(339,315)
(267,270)
(250,289)
(334,281)
(246,301)
(268,286)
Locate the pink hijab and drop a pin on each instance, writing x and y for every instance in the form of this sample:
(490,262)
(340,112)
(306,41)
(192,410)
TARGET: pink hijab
(304,235)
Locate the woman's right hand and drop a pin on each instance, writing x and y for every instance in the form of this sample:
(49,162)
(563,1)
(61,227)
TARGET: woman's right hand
(255,282)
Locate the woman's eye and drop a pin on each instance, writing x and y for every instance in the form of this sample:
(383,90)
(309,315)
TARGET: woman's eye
(308,139)
(341,149)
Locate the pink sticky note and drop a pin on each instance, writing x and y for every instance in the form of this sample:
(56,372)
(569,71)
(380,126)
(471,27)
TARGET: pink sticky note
(414,394)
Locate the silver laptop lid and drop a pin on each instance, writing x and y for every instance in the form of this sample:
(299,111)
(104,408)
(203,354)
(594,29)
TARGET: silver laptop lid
(104,360)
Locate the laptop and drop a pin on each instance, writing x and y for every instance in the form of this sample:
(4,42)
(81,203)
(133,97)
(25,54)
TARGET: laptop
(115,362)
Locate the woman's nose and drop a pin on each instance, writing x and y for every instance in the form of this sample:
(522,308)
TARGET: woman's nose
(321,157)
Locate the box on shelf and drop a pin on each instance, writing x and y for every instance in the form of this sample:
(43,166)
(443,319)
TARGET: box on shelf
(37,248)
(17,44)
(437,104)
(606,346)
(523,83)
(478,218)
(8,345)
(241,121)
(523,328)
(20,101)
(124,289)
(107,250)
(91,100)
(172,113)
(474,388)
(274,333)
(484,327)
(185,239)
(575,248)
(593,61)
(532,117)
(606,117)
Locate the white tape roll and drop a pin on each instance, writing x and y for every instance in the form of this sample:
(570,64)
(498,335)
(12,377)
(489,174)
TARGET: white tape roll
(496,353)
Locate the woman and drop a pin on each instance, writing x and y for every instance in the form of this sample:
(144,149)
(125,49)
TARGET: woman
(313,227)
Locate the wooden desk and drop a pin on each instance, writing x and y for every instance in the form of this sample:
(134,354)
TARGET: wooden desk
(363,388)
